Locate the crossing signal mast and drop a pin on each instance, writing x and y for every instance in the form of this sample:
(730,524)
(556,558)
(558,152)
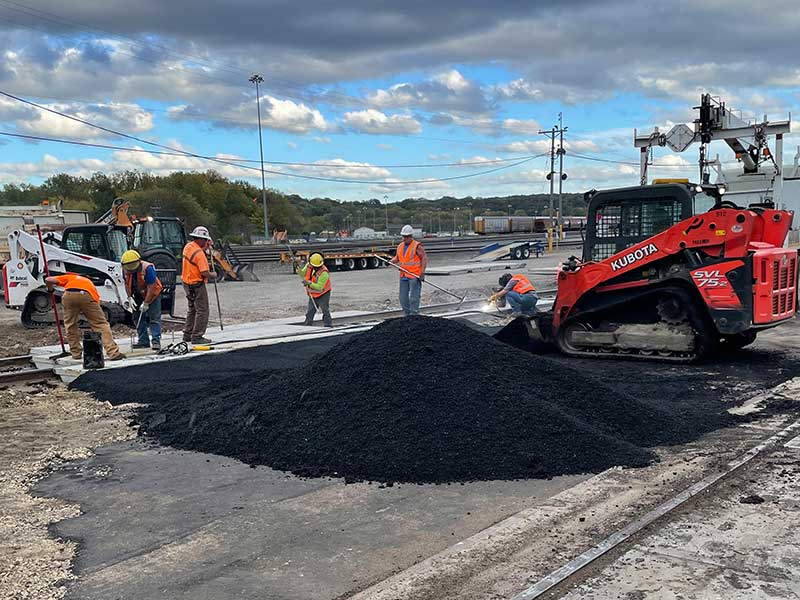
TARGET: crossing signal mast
(747,139)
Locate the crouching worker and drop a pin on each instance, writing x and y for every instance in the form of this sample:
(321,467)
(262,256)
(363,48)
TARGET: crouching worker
(519,292)
(82,298)
(144,286)
(318,287)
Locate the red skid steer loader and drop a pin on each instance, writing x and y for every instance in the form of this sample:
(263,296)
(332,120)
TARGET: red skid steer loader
(671,272)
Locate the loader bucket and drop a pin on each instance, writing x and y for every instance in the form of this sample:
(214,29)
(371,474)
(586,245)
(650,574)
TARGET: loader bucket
(245,272)
(528,333)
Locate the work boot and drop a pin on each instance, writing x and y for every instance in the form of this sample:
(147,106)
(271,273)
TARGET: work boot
(308,323)
(139,345)
(117,357)
(156,345)
(79,357)
(201,340)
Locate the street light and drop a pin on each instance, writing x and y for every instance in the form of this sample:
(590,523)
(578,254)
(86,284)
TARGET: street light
(257,79)
(509,210)
(386,203)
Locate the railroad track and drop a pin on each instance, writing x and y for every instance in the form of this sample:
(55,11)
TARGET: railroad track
(20,369)
(272,252)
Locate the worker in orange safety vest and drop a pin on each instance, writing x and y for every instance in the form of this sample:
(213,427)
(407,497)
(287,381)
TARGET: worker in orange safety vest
(144,286)
(520,293)
(81,297)
(413,262)
(195,274)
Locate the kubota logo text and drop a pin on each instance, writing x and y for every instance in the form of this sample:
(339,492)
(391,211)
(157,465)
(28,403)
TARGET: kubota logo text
(633,256)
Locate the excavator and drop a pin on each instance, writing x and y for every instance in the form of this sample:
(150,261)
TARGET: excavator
(676,271)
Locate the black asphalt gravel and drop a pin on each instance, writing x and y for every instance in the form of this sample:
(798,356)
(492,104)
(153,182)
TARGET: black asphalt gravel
(420,400)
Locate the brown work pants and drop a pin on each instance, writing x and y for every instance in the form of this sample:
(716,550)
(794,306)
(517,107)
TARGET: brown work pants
(79,303)
(197,312)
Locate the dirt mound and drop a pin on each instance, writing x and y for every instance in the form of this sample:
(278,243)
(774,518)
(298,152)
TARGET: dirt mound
(419,400)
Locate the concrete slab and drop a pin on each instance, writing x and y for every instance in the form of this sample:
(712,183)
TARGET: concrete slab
(476,267)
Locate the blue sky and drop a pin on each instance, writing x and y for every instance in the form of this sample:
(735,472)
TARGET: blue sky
(363,87)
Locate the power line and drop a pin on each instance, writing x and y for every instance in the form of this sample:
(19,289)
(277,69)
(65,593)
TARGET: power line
(269,162)
(249,167)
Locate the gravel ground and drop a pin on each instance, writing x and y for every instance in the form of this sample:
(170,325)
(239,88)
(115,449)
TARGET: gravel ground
(41,427)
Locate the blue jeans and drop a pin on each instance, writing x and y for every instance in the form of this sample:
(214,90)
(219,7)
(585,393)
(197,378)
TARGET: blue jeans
(409,295)
(522,303)
(151,319)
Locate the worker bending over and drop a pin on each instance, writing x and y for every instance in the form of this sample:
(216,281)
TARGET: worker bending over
(144,286)
(318,287)
(519,292)
(413,262)
(195,275)
(82,298)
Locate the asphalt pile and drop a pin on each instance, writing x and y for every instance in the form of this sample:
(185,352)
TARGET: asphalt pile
(422,400)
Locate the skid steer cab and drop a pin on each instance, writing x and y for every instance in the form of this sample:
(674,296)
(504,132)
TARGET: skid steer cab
(672,272)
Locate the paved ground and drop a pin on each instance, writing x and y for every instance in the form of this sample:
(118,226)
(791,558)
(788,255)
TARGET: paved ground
(158,523)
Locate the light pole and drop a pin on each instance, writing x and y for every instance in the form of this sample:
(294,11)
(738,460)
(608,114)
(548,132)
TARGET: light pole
(386,204)
(509,210)
(257,79)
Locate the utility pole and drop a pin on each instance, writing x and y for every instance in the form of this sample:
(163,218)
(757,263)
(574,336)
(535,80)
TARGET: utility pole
(561,175)
(257,79)
(386,203)
(552,134)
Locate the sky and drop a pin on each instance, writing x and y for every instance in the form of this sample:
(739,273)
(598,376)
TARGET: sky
(356,90)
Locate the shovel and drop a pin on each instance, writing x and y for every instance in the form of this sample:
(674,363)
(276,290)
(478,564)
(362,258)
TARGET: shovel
(64,352)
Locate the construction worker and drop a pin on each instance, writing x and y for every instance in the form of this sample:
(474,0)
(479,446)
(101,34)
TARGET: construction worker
(413,262)
(195,275)
(82,298)
(318,287)
(144,286)
(519,292)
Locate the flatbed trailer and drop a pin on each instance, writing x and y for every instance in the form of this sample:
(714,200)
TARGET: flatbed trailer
(344,260)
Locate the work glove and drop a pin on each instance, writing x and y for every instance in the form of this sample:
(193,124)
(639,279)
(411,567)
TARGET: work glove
(306,282)
(144,306)
(421,278)
(493,298)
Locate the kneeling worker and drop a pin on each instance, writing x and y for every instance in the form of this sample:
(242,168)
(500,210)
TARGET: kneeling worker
(318,287)
(144,286)
(520,293)
(82,298)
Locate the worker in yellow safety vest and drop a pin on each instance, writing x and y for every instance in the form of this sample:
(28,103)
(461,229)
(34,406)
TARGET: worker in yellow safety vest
(520,293)
(317,281)
(413,262)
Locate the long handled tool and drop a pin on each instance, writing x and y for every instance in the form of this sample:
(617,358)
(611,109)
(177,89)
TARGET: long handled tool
(216,293)
(295,258)
(52,299)
(406,271)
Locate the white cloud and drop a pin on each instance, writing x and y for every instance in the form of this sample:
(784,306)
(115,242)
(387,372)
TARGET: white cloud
(291,145)
(448,90)
(543,146)
(519,90)
(128,118)
(322,139)
(21,172)
(343,169)
(522,126)
(276,113)
(375,122)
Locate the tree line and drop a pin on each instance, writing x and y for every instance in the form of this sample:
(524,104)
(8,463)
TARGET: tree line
(233,209)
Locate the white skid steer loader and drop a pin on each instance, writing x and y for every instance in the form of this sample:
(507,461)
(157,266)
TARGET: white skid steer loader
(93,251)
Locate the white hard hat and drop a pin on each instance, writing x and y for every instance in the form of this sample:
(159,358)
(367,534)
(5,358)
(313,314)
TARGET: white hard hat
(407,230)
(200,232)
